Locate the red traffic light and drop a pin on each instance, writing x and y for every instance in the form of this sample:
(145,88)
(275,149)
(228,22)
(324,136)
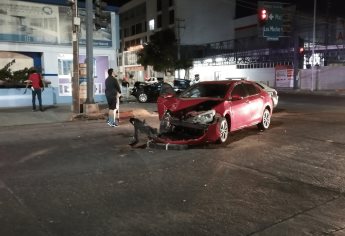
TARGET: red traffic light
(263,16)
(301,50)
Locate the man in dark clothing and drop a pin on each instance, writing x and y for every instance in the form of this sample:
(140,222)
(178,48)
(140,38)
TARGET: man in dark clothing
(112,93)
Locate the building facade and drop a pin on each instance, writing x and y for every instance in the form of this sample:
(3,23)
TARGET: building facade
(194,22)
(39,34)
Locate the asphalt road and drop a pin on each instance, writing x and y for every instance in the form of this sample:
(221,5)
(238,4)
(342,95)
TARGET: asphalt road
(82,178)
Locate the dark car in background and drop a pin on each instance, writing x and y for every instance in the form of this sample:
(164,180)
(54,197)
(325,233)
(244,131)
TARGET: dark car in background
(145,92)
(149,92)
(181,84)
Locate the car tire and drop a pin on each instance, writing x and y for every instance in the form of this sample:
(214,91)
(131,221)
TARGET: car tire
(223,127)
(142,97)
(266,120)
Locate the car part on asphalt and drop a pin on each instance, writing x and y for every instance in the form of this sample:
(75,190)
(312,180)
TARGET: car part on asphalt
(142,127)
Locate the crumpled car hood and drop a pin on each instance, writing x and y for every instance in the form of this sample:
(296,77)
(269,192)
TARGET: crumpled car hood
(199,104)
(185,131)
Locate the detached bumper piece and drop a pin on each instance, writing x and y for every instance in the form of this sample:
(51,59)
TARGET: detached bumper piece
(166,146)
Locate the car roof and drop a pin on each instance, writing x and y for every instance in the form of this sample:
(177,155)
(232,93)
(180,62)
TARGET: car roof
(220,82)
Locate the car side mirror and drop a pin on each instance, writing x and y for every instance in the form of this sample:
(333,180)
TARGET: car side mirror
(236,97)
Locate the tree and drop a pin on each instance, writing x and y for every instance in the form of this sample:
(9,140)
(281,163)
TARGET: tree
(161,53)
(13,79)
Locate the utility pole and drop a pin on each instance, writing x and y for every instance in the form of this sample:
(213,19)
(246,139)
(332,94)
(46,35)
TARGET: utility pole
(89,51)
(179,27)
(313,48)
(75,46)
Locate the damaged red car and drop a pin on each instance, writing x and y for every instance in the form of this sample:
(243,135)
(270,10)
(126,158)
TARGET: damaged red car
(208,111)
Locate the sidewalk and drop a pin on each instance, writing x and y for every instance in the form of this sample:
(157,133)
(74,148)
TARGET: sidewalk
(63,113)
(335,93)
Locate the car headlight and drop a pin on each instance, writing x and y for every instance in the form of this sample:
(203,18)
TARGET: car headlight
(204,118)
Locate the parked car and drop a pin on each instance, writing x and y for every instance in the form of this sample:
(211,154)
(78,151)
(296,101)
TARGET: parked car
(208,111)
(271,91)
(181,85)
(145,92)
(153,80)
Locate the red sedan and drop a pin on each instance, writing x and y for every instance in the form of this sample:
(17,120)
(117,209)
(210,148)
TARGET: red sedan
(208,111)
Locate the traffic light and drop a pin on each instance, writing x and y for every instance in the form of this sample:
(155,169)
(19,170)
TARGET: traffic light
(300,52)
(262,16)
(101,17)
(301,46)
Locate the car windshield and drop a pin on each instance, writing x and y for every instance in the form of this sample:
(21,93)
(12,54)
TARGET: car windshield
(206,90)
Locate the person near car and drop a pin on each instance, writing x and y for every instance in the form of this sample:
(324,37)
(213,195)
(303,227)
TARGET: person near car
(37,87)
(169,80)
(112,93)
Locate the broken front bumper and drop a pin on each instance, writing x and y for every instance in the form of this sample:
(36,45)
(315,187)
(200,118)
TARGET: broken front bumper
(185,133)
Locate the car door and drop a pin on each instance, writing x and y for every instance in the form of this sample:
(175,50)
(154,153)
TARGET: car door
(240,108)
(255,103)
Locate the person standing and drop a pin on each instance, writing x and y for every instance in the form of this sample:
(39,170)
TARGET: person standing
(112,93)
(37,87)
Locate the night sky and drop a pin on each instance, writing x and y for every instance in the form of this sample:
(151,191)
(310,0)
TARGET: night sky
(333,7)
(249,7)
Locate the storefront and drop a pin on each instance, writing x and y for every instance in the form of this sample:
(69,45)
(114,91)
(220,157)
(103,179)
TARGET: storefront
(39,35)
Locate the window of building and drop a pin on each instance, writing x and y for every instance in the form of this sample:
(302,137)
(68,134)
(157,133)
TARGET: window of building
(133,30)
(159,21)
(171,17)
(126,32)
(159,5)
(152,25)
(65,67)
(138,28)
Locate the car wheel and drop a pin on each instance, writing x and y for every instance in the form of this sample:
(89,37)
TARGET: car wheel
(223,127)
(142,97)
(266,120)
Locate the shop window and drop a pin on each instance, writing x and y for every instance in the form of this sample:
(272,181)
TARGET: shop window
(98,88)
(65,67)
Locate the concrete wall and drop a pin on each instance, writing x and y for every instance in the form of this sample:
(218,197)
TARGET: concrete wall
(50,96)
(266,75)
(246,27)
(323,78)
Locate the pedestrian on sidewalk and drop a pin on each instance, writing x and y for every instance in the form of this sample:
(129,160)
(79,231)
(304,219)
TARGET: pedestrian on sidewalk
(112,93)
(37,87)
